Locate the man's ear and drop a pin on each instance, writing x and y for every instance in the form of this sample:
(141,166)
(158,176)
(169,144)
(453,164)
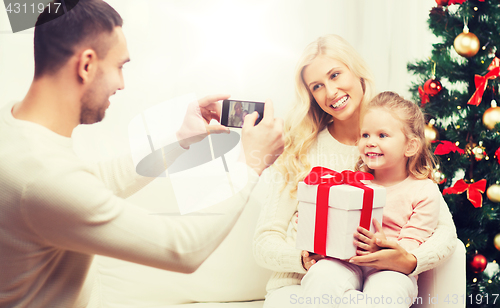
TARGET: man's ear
(412,147)
(87,65)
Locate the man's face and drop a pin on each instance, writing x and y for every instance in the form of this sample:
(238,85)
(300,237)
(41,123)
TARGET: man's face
(107,81)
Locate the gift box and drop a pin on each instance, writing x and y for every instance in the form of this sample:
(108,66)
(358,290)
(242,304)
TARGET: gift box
(331,206)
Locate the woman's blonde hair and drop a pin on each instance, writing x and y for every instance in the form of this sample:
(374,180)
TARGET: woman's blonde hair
(233,111)
(422,163)
(306,118)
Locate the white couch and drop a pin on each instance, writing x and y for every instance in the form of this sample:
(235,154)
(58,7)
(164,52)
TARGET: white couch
(230,277)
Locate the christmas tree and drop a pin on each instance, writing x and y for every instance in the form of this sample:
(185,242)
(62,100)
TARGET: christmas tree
(458,87)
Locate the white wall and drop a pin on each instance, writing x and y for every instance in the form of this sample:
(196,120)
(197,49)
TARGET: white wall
(247,48)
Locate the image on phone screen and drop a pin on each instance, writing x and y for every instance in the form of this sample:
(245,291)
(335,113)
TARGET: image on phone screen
(234,112)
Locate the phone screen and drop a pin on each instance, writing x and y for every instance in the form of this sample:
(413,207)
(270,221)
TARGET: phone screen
(234,112)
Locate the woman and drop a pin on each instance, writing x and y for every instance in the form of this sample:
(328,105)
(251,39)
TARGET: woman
(332,84)
(236,118)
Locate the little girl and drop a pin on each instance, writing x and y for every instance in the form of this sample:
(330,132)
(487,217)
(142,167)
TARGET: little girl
(392,147)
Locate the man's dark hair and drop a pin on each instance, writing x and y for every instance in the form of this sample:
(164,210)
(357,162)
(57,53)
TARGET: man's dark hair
(57,35)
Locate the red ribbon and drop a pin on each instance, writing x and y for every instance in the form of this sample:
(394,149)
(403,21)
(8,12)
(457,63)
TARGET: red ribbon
(481,83)
(317,177)
(474,191)
(445,147)
(423,96)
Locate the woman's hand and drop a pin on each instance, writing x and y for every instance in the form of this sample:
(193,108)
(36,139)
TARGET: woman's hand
(309,259)
(391,257)
(365,240)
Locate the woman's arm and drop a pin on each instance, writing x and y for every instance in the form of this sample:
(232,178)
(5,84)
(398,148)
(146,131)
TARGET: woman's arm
(427,256)
(440,245)
(270,246)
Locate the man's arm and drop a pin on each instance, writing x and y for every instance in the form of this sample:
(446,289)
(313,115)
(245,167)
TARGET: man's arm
(75,211)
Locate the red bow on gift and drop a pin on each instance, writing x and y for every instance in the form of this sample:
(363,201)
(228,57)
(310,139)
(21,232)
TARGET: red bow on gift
(474,191)
(423,96)
(317,177)
(481,83)
(445,147)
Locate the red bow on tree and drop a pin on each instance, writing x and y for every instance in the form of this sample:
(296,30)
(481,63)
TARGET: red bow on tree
(423,96)
(459,1)
(474,191)
(494,63)
(445,147)
(497,154)
(481,84)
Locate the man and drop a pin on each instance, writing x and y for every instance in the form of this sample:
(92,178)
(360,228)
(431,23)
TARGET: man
(57,211)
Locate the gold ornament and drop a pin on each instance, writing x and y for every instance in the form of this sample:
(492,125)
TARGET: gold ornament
(496,241)
(466,43)
(491,116)
(493,193)
(438,176)
(478,151)
(431,133)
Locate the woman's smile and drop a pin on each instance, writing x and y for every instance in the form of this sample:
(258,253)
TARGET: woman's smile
(340,103)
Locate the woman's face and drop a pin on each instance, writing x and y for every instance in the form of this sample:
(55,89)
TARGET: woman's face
(237,109)
(334,87)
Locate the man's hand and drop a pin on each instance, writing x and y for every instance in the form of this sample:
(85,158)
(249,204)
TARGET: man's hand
(366,240)
(309,259)
(195,126)
(263,143)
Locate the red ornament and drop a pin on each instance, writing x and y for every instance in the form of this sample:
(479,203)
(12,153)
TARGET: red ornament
(432,87)
(457,1)
(497,155)
(442,2)
(478,263)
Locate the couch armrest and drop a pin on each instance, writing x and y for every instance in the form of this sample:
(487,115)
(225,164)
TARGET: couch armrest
(444,286)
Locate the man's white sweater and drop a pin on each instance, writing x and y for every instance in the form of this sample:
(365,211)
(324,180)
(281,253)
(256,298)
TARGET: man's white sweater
(57,212)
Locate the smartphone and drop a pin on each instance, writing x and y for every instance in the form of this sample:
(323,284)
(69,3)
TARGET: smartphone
(234,112)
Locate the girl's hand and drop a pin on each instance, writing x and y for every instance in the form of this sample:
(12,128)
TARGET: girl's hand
(309,259)
(365,240)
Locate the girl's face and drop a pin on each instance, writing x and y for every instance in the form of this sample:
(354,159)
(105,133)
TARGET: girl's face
(383,144)
(334,87)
